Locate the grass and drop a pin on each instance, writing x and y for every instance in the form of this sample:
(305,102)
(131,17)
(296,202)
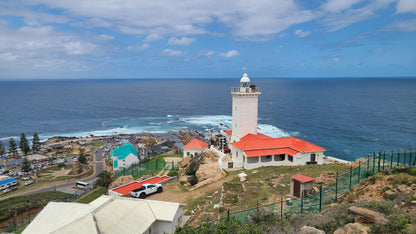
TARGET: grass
(92,196)
(98,144)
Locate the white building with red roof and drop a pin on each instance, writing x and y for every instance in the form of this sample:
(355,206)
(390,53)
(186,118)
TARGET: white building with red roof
(251,149)
(194,148)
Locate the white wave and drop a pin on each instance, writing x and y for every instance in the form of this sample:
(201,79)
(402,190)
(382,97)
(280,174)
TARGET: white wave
(272,131)
(211,120)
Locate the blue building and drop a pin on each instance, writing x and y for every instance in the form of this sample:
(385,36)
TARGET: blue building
(124,156)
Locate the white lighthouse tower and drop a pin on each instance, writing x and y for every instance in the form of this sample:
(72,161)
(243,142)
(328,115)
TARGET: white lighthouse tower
(245,109)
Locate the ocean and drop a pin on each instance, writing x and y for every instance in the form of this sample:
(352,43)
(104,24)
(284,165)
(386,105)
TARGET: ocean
(351,118)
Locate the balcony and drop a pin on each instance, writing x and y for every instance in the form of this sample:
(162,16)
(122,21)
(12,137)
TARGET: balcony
(255,90)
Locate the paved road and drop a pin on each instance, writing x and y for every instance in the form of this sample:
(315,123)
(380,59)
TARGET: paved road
(67,187)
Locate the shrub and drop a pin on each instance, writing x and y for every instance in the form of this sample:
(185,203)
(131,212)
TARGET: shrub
(193,180)
(396,224)
(386,207)
(190,171)
(173,173)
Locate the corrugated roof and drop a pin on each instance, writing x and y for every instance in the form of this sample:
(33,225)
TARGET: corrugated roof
(256,153)
(123,151)
(6,181)
(302,178)
(273,143)
(195,144)
(104,215)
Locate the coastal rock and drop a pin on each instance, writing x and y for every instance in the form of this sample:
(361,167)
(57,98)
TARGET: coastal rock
(186,161)
(310,230)
(208,173)
(120,181)
(352,228)
(367,216)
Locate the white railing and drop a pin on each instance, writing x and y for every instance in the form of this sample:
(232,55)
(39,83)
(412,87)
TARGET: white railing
(221,154)
(245,90)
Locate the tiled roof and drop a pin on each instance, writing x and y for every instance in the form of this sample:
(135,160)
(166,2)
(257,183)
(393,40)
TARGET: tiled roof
(273,143)
(302,178)
(258,136)
(256,153)
(229,132)
(195,144)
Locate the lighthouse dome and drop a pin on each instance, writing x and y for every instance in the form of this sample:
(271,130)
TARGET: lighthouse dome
(245,79)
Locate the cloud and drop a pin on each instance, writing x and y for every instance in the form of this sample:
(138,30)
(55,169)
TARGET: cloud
(301,33)
(141,47)
(106,37)
(339,5)
(186,41)
(404,26)
(170,52)
(207,53)
(406,6)
(229,54)
(153,37)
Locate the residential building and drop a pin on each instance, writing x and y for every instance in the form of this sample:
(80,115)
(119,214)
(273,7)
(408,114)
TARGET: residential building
(194,148)
(124,156)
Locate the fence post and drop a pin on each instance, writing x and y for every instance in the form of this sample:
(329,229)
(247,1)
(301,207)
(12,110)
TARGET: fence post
(374,161)
(320,198)
(398,157)
(281,207)
(414,160)
(368,165)
(228,215)
(350,176)
(404,157)
(359,171)
(173,166)
(379,159)
(410,158)
(391,161)
(336,188)
(384,158)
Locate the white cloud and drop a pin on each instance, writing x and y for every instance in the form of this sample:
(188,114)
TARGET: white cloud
(229,54)
(186,41)
(302,33)
(406,6)
(170,52)
(153,37)
(106,37)
(404,26)
(208,53)
(339,5)
(141,47)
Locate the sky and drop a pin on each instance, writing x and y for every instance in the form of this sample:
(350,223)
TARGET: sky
(65,39)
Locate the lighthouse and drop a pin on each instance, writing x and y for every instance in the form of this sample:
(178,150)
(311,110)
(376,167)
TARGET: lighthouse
(245,109)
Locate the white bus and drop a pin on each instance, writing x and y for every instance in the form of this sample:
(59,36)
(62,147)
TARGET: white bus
(81,185)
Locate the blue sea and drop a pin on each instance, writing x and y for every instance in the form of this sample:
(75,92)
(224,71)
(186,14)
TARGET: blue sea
(351,118)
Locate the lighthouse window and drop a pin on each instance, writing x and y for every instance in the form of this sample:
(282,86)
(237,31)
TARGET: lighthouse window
(235,108)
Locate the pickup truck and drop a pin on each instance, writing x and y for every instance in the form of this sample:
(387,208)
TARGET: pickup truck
(146,189)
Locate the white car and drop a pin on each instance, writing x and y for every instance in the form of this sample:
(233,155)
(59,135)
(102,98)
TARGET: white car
(7,190)
(29,182)
(26,178)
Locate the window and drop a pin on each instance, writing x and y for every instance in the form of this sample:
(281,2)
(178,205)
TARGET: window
(290,158)
(313,158)
(187,153)
(236,154)
(235,108)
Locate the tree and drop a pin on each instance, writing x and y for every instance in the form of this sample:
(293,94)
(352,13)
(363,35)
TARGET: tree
(24,144)
(12,147)
(105,178)
(25,165)
(35,143)
(81,157)
(2,149)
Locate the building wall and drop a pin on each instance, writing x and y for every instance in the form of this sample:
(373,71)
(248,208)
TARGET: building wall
(126,162)
(273,160)
(168,227)
(245,113)
(193,151)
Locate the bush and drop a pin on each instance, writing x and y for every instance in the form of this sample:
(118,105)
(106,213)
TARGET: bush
(385,207)
(193,180)
(396,224)
(190,171)
(173,173)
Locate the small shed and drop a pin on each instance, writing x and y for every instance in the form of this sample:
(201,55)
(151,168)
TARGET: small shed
(300,184)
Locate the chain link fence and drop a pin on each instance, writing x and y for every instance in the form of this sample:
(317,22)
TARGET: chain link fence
(146,169)
(328,195)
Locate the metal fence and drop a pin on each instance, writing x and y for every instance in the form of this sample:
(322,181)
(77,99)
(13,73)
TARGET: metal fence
(21,221)
(328,195)
(146,168)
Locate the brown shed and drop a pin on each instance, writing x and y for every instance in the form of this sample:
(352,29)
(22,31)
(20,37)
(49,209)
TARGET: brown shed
(300,184)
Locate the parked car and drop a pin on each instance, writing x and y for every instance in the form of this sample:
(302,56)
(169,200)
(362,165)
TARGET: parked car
(146,190)
(7,190)
(26,178)
(29,182)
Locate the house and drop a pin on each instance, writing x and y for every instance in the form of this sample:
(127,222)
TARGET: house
(7,182)
(251,149)
(194,148)
(124,156)
(108,215)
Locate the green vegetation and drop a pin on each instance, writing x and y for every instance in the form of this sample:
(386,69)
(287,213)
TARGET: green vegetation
(82,158)
(25,165)
(12,147)
(17,205)
(98,144)
(105,178)
(2,149)
(92,196)
(35,142)
(24,144)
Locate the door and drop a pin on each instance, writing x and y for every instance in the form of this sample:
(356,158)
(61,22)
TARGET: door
(296,188)
(313,158)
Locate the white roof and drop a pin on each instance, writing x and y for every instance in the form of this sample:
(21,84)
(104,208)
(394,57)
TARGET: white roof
(104,215)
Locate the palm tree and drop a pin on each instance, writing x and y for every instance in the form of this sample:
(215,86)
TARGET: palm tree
(105,178)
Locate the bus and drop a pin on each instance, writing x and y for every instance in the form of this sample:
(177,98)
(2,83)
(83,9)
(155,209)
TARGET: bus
(81,185)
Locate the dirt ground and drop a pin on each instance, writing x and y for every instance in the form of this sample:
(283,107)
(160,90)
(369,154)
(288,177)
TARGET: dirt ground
(61,172)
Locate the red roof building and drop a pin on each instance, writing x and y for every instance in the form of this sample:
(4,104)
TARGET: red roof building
(194,147)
